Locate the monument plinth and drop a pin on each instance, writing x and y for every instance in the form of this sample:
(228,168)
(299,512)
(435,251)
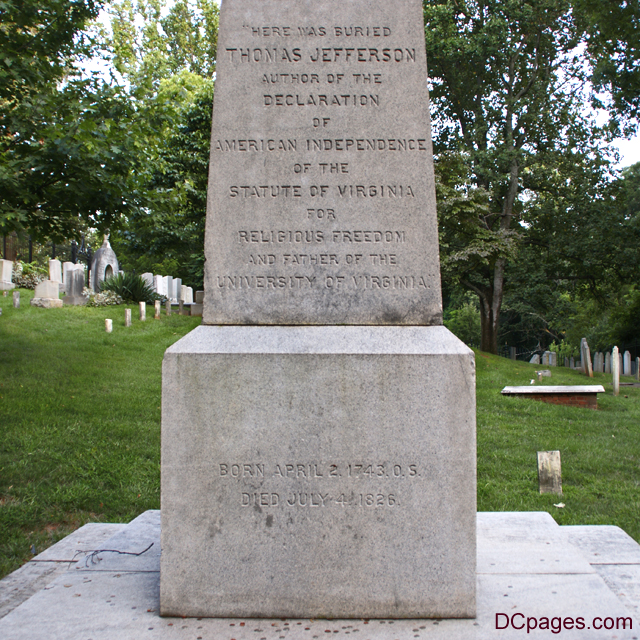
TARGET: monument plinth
(325,469)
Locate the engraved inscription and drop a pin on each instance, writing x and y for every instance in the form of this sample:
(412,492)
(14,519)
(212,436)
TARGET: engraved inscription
(321,175)
(326,483)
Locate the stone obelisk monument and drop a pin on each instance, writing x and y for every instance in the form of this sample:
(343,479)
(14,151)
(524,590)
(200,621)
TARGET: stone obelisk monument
(318,430)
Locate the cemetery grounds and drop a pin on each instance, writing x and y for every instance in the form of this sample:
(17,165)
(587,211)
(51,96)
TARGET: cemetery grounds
(80,430)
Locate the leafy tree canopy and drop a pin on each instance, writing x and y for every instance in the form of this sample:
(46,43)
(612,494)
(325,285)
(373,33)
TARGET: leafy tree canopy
(509,84)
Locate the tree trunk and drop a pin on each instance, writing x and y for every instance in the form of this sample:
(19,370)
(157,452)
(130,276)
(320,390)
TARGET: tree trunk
(490,305)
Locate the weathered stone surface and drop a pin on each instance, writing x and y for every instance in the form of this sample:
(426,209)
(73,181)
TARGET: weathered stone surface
(626,363)
(318,472)
(549,472)
(75,285)
(6,275)
(46,303)
(46,289)
(321,201)
(615,370)
(168,287)
(199,297)
(104,264)
(528,566)
(158,285)
(55,270)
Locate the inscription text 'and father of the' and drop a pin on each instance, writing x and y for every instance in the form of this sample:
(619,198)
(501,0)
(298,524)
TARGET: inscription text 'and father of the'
(321,205)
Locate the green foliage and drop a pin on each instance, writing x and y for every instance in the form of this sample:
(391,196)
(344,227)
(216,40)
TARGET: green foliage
(168,237)
(523,175)
(130,287)
(38,38)
(564,350)
(599,472)
(74,158)
(465,323)
(102,298)
(81,435)
(80,415)
(612,33)
(27,275)
(148,47)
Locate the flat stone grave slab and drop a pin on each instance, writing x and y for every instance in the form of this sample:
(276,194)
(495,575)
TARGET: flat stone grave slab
(57,559)
(104,603)
(573,395)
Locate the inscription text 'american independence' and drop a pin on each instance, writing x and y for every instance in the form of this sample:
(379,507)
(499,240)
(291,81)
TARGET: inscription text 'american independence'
(321,206)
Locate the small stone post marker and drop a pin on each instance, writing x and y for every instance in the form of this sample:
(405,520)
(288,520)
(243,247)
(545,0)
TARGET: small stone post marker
(156,307)
(549,472)
(143,311)
(615,370)
(16,299)
(127,317)
(318,430)
(108,325)
(167,306)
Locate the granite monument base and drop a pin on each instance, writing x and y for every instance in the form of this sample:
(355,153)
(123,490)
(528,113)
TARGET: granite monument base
(319,471)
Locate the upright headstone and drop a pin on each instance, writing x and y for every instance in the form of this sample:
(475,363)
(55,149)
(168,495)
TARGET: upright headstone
(188,295)
(585,356)
(167,307)
(55,271)
(168,287)
(148,279)
(6,275)
(104,264)
(16,299)
(553,359)
(512,353)
(535,359)
(47,295)
(615,370)
(621,364)
(108,325)
(127,317)
(607,362)
(158,285)
(66,266)
(197,307)
(567,362)
(572,362)
(75,286)
(545,358)
(156,315)
(143,311)
(177,289)
(549,472)
(637,369)
(626,364)
(318,467)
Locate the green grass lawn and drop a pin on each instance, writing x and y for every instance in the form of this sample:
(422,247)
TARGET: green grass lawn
(80,430)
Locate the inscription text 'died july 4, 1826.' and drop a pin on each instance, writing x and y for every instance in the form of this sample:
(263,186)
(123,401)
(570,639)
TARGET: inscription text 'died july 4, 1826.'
(321,195)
